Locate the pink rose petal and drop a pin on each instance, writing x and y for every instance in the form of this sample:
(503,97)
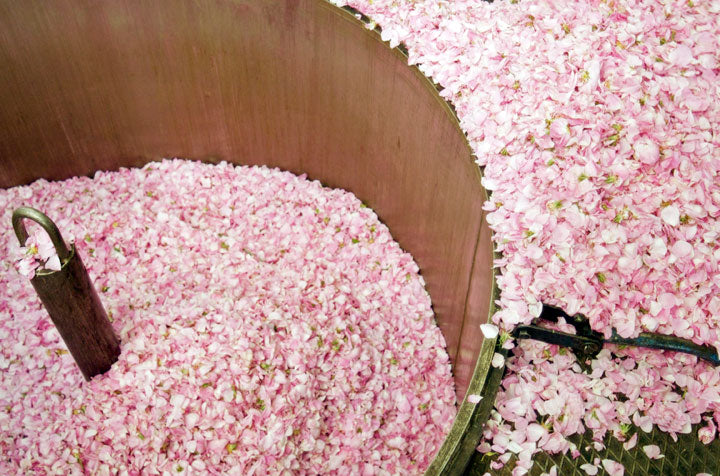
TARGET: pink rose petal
(490,331)
(474,398)
(613,468)
(652,451)
(589,469)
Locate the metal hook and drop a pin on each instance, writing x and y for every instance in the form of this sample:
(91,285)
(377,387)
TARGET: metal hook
(46,223)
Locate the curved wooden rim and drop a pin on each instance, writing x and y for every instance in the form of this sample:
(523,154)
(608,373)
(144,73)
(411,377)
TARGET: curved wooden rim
(452,458)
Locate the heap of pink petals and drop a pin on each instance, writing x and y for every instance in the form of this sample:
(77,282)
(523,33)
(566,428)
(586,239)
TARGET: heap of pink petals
(597,125)
(38,252)
(268,325)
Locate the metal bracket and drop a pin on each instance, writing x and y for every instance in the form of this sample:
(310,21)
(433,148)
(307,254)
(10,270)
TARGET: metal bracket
(587,343)
(584,347)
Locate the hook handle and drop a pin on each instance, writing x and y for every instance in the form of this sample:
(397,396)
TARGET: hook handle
(45,222)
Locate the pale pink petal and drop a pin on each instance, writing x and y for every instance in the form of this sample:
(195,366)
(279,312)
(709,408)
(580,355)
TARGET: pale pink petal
(613,467)
(498,360)
(653,451)
(490,331)
(589,469)
(670,215)
(474,398)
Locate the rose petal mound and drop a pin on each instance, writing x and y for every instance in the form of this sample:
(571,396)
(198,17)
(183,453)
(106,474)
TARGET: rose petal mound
(596,124)
(268,325)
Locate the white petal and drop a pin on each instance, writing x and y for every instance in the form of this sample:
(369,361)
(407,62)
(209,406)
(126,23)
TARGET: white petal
(473,398)
(490,331)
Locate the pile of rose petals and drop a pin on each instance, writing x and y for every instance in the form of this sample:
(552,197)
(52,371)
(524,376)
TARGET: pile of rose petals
(268,326)
(597,125)
(38,252)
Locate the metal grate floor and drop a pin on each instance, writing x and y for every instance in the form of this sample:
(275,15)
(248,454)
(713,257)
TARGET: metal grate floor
(686,457)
